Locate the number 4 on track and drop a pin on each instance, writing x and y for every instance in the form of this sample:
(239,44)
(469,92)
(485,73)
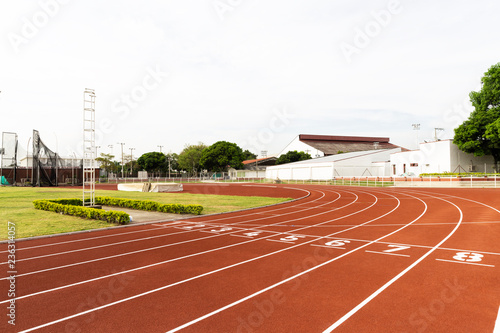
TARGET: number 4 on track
(396,248)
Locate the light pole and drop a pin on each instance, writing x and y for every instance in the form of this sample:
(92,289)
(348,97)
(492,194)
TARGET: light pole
(73,169)
(160,147)
(122,144)
(131,160)
(416,127)
(27,159)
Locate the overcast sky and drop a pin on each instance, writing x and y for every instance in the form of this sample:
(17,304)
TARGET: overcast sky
(253,72)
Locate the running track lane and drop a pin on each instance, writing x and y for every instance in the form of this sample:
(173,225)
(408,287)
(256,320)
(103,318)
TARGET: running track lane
(437,294)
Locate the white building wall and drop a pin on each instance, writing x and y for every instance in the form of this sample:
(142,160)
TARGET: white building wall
(437,157)
(298,145)
(356,164)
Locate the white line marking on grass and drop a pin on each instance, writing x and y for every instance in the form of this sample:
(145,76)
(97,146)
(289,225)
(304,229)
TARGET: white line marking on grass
(463,262)
(397,277)
(388,253)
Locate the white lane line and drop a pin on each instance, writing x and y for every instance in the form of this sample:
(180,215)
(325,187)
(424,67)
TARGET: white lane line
(163,235)
(329,247)
(133,270)
(273,235)
(110,257)
(278,241)
(84,239)
(227,267)
(388,253)
(237,264)
(497,323)
(242,236)
(465,262)
(295,276)
(97,247)
(123,254)
(397,277)
(186,221)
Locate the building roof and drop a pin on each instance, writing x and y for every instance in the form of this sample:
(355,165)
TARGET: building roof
(331,145)
(262,161)
(345,157)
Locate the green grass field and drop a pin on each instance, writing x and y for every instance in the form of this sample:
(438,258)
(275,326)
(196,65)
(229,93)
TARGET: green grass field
(16,205)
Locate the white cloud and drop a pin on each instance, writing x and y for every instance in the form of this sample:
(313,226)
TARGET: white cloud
(226,76)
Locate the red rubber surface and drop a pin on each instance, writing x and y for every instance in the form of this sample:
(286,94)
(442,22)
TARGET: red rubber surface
(343,259)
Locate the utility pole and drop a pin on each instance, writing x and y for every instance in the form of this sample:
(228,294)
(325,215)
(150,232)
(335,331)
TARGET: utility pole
(122,144)
(131,160)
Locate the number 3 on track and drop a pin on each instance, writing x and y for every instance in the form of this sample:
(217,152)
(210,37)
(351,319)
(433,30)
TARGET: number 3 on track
(468,256)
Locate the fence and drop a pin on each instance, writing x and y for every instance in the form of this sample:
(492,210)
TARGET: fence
(428,181)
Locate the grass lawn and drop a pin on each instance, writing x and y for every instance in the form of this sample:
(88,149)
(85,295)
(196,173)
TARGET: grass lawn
(16,205)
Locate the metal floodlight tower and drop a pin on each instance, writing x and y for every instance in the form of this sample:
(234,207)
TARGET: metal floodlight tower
(89,147)
(436,130)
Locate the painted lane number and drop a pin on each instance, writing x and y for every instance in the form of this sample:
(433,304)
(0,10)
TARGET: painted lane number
(468,256)
(291,238)
(252,234)
(222,229)
(396,248)
(337,243)
(189,227)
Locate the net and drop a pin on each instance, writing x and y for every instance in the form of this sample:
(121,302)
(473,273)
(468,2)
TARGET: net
(8,161)
(46,163)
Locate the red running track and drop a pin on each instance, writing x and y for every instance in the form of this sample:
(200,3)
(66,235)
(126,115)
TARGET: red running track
(343,259)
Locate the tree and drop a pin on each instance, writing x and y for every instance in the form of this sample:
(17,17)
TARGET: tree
(189,158)
(222,155)
(106,163)
(153,162)
(172,162)
(293,156)
(480,134)
(249,155)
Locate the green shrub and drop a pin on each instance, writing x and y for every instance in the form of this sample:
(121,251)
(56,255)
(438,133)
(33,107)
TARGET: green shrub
(74,207)
(150,205)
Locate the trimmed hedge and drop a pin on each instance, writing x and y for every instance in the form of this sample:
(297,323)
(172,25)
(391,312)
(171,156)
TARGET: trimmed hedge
(150,205)
(74,207)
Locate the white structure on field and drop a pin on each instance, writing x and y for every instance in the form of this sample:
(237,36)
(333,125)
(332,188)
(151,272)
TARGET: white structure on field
(438,157)
(361,163)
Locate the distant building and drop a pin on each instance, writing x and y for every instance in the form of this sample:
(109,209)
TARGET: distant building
(359,164)
(438,157)
(254,168)
(326,145)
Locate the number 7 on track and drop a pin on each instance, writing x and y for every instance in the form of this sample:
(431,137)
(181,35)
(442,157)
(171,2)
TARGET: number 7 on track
(396,248)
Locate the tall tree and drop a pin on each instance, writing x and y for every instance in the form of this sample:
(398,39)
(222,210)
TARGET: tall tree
(105,161)
(249,155)
(189,158)
(222,155)
(480,134)
(173,162)
(153,162)
(293,156)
